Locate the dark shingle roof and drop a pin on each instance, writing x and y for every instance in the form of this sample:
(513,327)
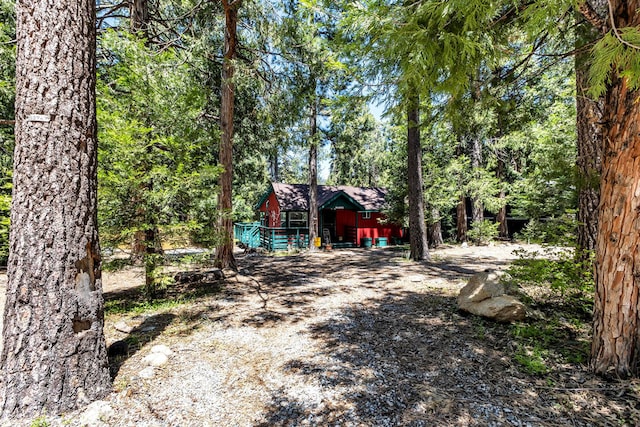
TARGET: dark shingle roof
(295,197)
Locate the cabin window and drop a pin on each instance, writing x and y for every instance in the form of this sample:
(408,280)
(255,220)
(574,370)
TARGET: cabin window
(283,219)
(297,219)
(366,215)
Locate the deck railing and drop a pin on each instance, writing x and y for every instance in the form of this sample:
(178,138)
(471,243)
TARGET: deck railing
(248,233)
(282,238)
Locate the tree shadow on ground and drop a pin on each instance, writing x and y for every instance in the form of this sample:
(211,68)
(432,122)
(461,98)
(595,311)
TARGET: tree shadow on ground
(412,359)
(134,300)
(150,328)
(288,286)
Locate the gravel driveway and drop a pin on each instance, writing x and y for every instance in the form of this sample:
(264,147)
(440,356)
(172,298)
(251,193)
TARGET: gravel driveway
(349,338)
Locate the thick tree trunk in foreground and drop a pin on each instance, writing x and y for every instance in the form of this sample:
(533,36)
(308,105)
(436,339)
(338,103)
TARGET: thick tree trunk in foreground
(224,251)
(590,140)
(54,355)
(419,249)
(616,347)
(313,175)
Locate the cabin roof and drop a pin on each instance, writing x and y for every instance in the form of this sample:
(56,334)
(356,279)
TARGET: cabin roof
(295,197)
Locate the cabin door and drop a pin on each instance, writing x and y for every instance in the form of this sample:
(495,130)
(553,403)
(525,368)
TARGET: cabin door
(329,223)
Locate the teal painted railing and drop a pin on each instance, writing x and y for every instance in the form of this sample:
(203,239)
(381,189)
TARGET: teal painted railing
(282,239)
(254,235)
(248,233)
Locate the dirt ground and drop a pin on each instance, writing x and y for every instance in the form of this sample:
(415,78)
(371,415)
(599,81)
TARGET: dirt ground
(348,337)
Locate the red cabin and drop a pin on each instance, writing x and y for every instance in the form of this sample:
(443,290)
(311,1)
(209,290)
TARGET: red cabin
(348,216)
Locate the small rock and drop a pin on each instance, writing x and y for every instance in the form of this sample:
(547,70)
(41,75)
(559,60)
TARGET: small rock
(161,349)
(123,327)
(156,359)
(96,414)
(148,372)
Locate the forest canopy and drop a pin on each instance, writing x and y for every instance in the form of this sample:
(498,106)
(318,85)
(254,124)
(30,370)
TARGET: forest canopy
(483,120)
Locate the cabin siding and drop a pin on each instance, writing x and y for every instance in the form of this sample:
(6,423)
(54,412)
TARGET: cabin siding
(373,228)
(271,211)
(340,213)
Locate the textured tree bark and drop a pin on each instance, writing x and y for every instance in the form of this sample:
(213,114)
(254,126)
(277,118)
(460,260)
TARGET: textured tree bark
(477,207)
(313,174)
(501,217)
(435,230)
(139,17)
(419,249)
(54,355)
(461,209)
(615,346)
(590,140)
(224,251)
(461,220)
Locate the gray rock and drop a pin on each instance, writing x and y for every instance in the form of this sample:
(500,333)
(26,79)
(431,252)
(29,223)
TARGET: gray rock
(123,327)
(486,296)
(96,414)
(148,372)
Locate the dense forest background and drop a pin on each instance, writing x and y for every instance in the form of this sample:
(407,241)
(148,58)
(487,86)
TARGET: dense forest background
(503,141)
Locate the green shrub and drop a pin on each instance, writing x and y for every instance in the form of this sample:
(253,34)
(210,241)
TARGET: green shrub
(564,271)
(482,232)
(559,231)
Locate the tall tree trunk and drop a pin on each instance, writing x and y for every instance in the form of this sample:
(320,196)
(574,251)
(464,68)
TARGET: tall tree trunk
(224,251)
(477,207)
(616,347)
(313,174)
(435,229)
(54,355)
(461,208)
(590,140)
(419,249)
(461,219)
(139,17)
(501,217)
(274,166)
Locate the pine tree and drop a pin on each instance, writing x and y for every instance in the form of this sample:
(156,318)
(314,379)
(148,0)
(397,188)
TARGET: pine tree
(224,251)
(54,355)
(615,75)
